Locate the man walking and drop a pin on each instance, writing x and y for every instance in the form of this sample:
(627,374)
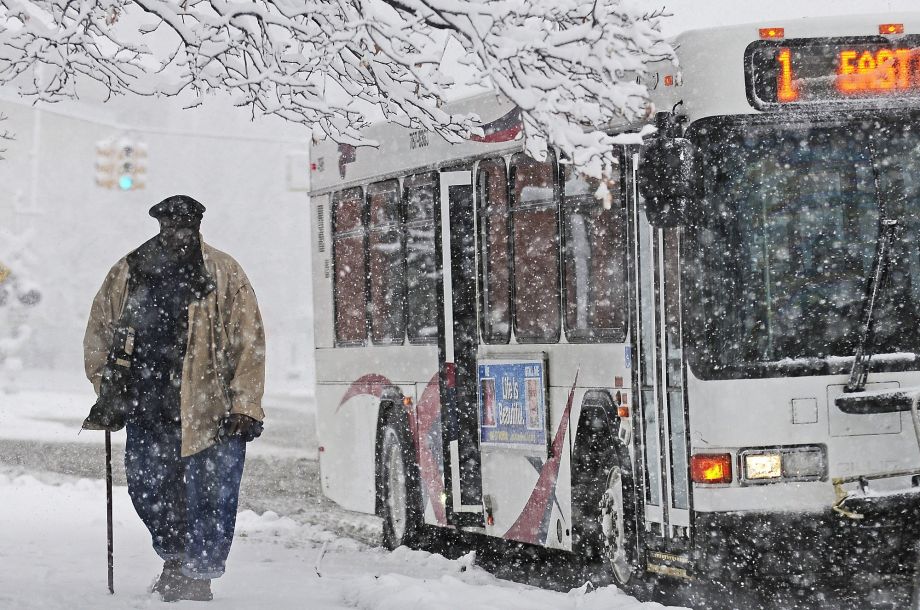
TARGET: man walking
(190,338)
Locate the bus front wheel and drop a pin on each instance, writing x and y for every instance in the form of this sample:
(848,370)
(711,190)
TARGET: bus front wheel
(401,504)
(613,521)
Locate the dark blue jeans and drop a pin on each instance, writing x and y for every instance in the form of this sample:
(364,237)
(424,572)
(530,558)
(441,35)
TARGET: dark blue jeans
(188,504)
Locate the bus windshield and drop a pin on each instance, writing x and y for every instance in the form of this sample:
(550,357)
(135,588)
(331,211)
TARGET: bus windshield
(779,260)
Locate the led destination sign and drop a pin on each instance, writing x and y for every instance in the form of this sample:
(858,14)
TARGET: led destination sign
(832,71)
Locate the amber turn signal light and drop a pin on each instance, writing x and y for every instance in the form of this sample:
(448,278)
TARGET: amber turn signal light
(891,28)
(711,468)
(772,33)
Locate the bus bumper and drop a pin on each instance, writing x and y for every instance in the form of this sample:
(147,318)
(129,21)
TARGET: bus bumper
(805,547)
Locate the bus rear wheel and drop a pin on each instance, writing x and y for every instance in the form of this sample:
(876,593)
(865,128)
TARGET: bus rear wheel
(401,497)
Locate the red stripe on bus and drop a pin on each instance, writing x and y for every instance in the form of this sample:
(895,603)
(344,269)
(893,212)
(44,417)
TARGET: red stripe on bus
(527,528)
(505,135)
(428,414)
(371,384)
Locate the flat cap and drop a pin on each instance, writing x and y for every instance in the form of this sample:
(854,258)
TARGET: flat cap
(178,206)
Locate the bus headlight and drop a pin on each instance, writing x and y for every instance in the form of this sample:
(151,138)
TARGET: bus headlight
(802,463)
(763,466)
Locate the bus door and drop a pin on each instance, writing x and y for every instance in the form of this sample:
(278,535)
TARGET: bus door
(662,412)
(458,343)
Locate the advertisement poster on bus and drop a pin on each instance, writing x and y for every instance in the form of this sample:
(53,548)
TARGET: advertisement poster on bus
(512,404)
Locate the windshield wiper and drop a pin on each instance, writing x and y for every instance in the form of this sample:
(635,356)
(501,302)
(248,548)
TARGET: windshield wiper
(862,356)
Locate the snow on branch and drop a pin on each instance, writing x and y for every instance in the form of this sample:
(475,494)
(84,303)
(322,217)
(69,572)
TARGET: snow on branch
(334,65)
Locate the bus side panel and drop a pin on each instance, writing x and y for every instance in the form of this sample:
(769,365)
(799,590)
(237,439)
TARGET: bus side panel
(350,382)
(530,496)
(321,229)
(526,507)
(347,434)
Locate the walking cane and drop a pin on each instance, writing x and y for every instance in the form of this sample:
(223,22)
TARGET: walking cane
(108,508)
(108,414)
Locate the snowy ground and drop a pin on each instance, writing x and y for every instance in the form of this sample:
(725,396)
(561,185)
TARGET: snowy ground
(52,515)
(54,556)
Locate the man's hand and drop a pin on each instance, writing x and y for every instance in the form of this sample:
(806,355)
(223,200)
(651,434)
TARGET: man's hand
(237,424)
(104,415)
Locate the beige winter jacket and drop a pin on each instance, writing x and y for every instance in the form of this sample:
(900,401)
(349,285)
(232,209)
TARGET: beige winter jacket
(224,366)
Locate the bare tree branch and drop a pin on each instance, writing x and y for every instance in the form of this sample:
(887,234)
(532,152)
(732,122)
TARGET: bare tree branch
(4,136)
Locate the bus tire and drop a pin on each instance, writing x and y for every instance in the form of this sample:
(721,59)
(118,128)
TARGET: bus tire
(615,519)
(603,495)
(400,493)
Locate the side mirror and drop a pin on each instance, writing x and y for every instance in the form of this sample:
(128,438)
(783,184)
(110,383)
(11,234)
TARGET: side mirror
(667,180)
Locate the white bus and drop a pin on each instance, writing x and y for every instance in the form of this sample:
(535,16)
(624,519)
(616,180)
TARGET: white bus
(702,375)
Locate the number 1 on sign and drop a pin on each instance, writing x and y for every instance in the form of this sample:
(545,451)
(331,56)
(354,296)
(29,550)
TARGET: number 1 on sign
(786,91)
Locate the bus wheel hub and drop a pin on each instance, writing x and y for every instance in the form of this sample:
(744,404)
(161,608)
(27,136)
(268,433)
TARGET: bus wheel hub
(612,526)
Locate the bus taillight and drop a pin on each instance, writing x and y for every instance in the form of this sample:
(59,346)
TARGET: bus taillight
(711,468)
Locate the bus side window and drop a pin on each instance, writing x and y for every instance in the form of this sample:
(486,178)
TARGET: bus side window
(385,264)
(349,289)
(594,232)
(495,255)
(421,271)
(535,237)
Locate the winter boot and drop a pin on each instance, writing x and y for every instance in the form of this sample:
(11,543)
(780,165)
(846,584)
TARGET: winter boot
(194,589)
(167,577)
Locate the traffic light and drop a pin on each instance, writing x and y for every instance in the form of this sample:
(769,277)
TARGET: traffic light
(132,165)
(121,165)
(105,164)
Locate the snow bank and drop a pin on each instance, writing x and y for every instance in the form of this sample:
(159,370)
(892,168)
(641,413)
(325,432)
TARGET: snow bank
(269,527)
(454,580)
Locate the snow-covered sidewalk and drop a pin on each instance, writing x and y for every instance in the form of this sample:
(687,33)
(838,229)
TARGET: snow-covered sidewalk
(53,555)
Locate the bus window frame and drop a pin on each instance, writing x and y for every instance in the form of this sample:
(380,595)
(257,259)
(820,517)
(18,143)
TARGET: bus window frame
(397,223)
(597,335)
(409,182)
(493,338)
(513,206)
(335,199)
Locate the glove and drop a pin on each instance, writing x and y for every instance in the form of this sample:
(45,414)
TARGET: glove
(114,401)
(237,424)
(104,416)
